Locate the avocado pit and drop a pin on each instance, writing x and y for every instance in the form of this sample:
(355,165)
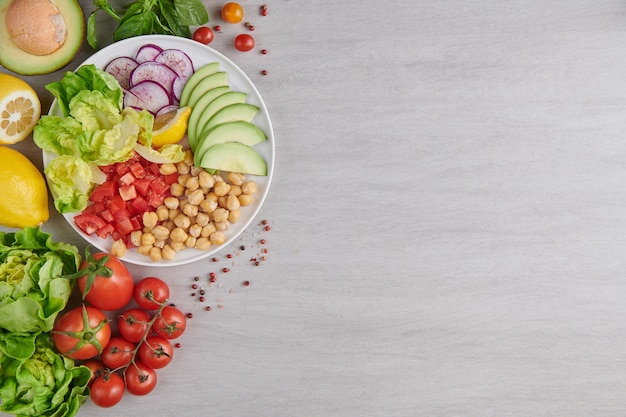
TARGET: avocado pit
(36,26)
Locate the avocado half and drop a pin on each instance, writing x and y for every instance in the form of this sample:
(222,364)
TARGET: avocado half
(65,44)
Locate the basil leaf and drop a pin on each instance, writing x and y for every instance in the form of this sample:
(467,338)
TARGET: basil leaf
(191,12)
(92,38)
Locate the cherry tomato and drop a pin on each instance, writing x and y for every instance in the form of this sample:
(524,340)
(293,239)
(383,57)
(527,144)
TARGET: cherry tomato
(105,293)
(107,389)
(203,34)
(140,378)
(134,324)
(232,12)
(118,352)
(96,367)
(151,292)
(81,333)
(170,324)
(156,352)
(244,42)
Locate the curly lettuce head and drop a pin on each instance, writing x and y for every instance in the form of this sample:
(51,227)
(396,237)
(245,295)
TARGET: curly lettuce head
(31,292)
(44,384)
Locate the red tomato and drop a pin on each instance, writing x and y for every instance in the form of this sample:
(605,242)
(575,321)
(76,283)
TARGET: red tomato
(156,352)
(151,292)
(134,324)
(244,42)
(107,389)
(81,333)
(232,12)
(106,293)
(96,367)
(118,352)
(140,378)
(89,223)
(203,34)
(170,324)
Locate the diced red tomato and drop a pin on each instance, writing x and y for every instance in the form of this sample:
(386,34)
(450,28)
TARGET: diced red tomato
(128,192)
(106,215)
(103,191)
(124,226)
(154,169)
(171,178)
(138,170)
(105,231)
(89,223)
(127,178)
(142,186)
(121,169)
(139,205)
(159,186)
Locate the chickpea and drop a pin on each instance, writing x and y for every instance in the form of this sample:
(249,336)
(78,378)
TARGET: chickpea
(235,178)
(183,168)
(174,213)
(208,206)
(217,238)
(232,203)
(203,243)
(168,253)
(221,202)
(149,219)
(223,225)
(178,234)
(171,202)
(161,232)
(208,230)
(206,180)
(135,237)
(190,242)
(192,184)
(202,219)
(178,246)
(155,254)
(118,248)
(144,249)
(195,230)
(188,157)
(245,199)
(249,187)
(211,196)
(177,189)
(221,188)
(220,215)
(148,239)
(233,216)
(190,210)
(235,190)
(195,171)
(163,213)
(167,169)
(159,244)
(182,179)
(182,221)
(196,197)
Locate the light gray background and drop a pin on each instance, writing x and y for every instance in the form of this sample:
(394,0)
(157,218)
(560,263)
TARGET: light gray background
(447,213)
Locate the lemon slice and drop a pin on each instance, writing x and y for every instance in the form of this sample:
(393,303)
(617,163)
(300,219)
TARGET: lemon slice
(20,109)
(170,127)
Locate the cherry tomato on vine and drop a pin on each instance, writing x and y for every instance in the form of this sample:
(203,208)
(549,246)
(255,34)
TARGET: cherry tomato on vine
(81,333)
(151,292)
(244,42)
(133,324)
(118,352)
(203,34)
(156,352)
(232,12)
(96,367)
(106,283)
(107,389)
(170,324)
(140,378)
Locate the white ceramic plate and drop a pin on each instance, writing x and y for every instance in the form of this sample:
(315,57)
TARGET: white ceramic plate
(238,81)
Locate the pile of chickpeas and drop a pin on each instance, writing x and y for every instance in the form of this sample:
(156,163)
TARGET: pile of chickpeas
(202,206)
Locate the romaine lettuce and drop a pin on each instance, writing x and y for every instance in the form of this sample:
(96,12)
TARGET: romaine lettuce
(70,180)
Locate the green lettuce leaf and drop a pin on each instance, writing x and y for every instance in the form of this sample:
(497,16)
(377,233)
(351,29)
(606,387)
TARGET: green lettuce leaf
(58,134)
(70,180)
(44,384)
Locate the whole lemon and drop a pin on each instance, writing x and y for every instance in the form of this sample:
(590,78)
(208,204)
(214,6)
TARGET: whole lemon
(23,193)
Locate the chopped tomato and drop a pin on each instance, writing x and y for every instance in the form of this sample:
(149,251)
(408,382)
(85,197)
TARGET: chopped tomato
(128,192)
(138,170)
(142,186)
(103,191)
(88,223)
(105,231)
(127,178)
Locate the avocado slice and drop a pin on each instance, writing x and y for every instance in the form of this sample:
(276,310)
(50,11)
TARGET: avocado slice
(197,76)
(17,59)
(209,82)
(196,112)
(226,99)
(237,111)
(237,131)
(234,157)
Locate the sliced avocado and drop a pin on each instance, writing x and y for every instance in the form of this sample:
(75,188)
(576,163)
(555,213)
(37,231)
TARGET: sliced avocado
(234,157)
(16,59)
(196,112)
(226,99)
(207,83)
(237,111)
(200,73)
(237,131)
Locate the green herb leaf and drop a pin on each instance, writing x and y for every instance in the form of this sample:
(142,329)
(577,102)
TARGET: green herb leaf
(191,12)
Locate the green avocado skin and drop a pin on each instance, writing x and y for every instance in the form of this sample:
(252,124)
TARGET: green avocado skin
(21,62)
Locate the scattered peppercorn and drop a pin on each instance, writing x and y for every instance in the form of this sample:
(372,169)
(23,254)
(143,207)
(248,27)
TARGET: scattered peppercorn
(264,72)
(246,283)
(218,28)
(201,299)
(264,51)
(178,345)
(262,241)
(194,286)
(264,10)
(225,270)
(242,247)
(249,26)
(189,315)
(207,308)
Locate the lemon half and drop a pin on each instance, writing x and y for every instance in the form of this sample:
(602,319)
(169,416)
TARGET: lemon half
(170,127)
(20,109)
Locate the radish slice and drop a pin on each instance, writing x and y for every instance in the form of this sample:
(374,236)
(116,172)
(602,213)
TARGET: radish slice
(147,53)
(148,95)
(167,109)
(153,71)
(121,68)
(177,88)
(176,60)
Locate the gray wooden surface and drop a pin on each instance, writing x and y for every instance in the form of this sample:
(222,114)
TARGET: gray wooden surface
(448,219)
